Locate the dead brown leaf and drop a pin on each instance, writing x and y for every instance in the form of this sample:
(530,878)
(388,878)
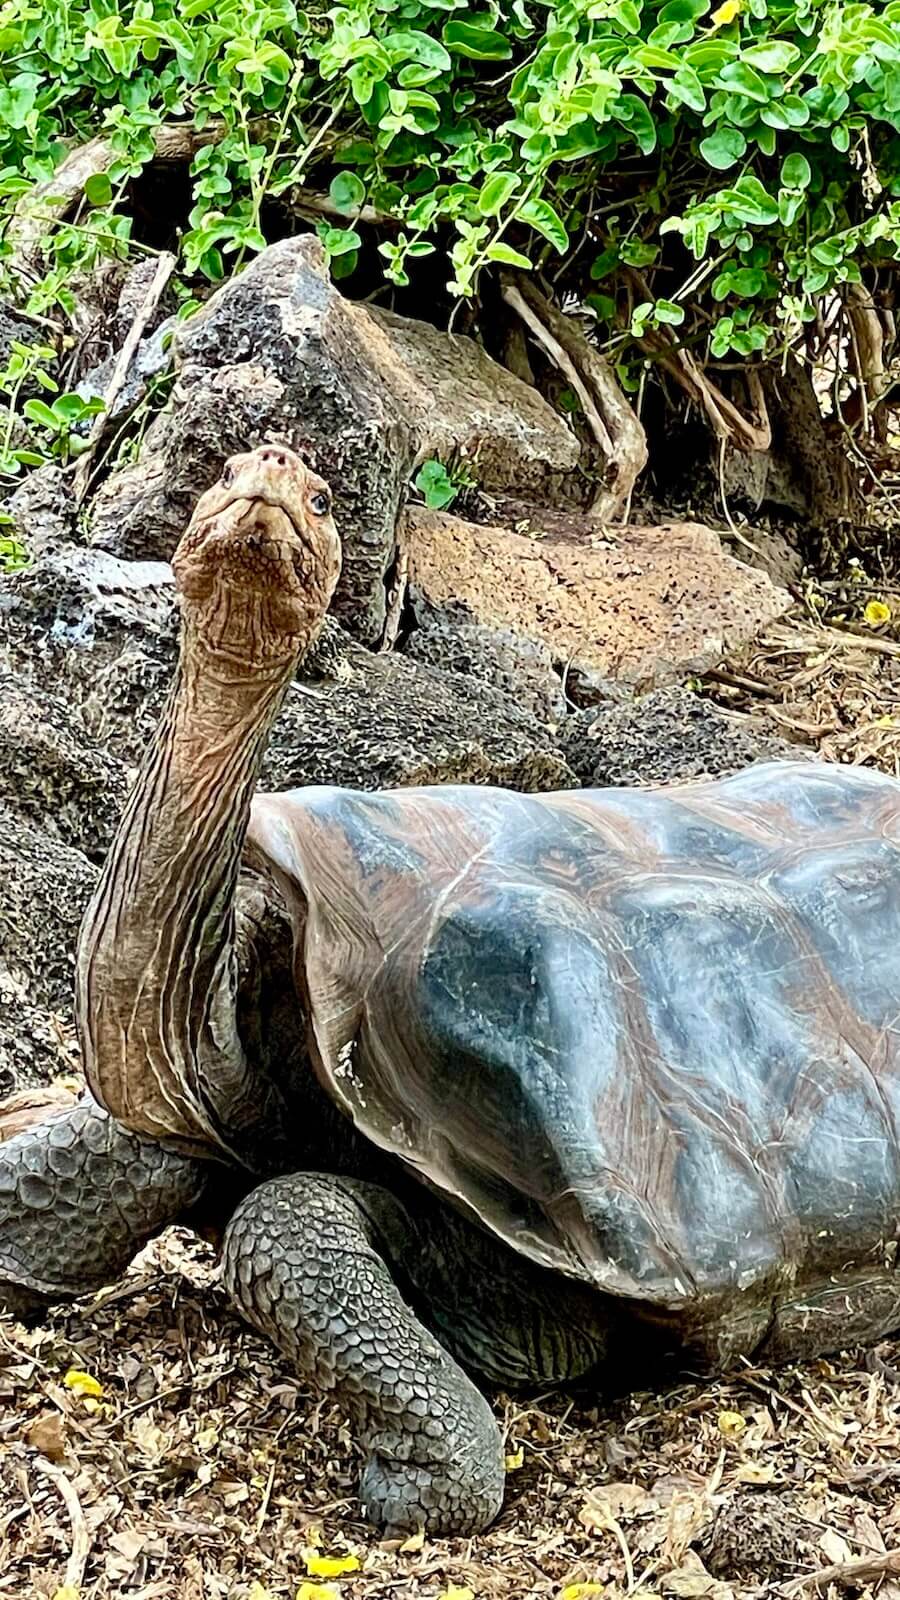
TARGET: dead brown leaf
(47,1433)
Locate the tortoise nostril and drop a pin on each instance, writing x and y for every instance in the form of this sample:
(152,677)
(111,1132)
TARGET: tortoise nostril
(281,459)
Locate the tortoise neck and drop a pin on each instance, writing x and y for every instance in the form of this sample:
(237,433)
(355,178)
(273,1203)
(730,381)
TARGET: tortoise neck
(156,972)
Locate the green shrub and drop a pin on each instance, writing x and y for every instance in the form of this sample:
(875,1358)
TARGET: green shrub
(738,163)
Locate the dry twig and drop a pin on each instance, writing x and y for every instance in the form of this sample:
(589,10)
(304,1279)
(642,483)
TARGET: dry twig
(864,1569)
(81,1538)
(164,269)
(395,603)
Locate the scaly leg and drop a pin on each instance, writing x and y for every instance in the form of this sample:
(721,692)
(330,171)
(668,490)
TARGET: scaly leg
(79,1196)
(303,1260)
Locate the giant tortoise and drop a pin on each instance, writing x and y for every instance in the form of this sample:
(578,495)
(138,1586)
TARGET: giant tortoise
(528,1088)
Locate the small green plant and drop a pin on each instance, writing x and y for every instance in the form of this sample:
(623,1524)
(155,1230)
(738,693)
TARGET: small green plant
(59,420)
(13,555)
(26,365)
(56,422)
(440,485)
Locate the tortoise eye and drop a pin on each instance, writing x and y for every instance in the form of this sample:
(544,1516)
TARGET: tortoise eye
(320,504)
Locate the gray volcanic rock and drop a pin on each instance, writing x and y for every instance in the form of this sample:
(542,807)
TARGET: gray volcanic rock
(278,353)
(45,888)
(667,736)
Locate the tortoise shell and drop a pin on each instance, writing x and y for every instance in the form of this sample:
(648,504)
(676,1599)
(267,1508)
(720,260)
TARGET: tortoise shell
(648,1037)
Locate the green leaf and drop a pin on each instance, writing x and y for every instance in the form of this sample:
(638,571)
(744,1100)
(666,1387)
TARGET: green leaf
(744,282)
(408,42)
(667,311)
(686,86)
(775,116)
(628,16)
(480,44)
(776,55)
(98,189)
(827,252)
(495,193)
(338,241)
(606,263)
(347,192)
(708,56)
(434,482)
(723,148)
(40,414)
(796,172)
(790,204)
(655,59)
(412,111)
(683,10)
(741,79)
(749,202)
(540,215)
(635,113)
(765,138)
(344,264)
(500,251)
(637,253)
(796,110)
(355,153)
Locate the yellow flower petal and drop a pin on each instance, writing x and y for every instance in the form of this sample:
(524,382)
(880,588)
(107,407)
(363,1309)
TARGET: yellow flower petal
(416,1541)
(876,612)
(328,1566)
(726,12)
(579,1591)
(258,1591)
(514,1462)
(455,1593)
(731,1423)
(69,1591)
(81,1383)
(317,1591)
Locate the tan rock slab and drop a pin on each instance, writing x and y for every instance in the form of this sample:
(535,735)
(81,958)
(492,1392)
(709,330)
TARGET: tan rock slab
(646,605)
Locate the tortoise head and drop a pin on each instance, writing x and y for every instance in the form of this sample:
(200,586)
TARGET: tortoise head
(259,561)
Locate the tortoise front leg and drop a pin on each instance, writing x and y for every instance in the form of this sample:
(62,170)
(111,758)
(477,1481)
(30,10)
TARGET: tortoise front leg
(79,1196)
(302,1261)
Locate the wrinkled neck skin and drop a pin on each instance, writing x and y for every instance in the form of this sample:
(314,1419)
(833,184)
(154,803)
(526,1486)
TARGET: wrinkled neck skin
(156,973)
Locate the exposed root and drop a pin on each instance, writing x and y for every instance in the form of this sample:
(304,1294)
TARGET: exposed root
(727,422)
(617,432)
